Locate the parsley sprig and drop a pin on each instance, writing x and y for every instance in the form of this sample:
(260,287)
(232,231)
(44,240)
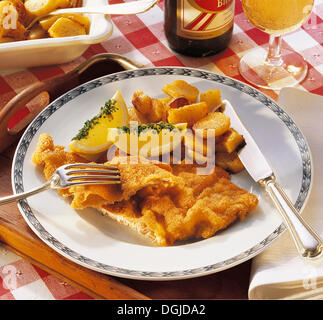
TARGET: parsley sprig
(155,127)
(105,111)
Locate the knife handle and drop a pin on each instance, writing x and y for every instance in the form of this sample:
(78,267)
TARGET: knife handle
(307,242)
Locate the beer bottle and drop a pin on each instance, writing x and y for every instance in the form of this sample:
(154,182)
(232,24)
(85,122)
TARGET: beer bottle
(198,27)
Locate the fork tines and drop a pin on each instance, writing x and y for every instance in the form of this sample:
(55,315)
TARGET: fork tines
(92,173)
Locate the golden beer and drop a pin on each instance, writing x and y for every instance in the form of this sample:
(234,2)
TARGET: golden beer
(277,17)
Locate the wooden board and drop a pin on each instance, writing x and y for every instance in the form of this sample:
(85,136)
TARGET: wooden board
(16,236)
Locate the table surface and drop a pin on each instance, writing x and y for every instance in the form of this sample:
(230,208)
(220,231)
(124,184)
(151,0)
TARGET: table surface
(141,38)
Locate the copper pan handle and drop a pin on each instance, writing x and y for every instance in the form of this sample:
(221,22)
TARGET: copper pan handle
(44,89)
(49,90)
(122,61)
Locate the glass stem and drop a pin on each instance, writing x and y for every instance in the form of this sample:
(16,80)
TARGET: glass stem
(274,57)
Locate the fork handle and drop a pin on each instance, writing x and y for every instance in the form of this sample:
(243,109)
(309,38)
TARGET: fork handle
(307,242)
(133,7)
(26,194)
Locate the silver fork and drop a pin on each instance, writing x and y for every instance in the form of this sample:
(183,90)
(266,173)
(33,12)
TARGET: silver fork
(72,175)
(127,8)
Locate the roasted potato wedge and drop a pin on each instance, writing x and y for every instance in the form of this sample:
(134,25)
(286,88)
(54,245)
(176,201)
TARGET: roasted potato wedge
(75,3)
(230,142)
(215,120)
(10,23)
(47,22)
(141,102)
(180,88)
(190,113)
(228,161)
(212,97)
(8,17)
(63,3)
(166,100)
(18,34)
(82,20)
(40,7)
(151,109)
(22,12)
(65,27)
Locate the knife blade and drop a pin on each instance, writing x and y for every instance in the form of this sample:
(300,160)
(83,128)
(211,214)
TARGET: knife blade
(307,241)
(251,156)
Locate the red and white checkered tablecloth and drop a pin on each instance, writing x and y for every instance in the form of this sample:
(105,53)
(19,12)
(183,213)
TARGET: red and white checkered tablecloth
(141,38)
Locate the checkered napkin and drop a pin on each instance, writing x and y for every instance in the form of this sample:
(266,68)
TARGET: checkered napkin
(141,38)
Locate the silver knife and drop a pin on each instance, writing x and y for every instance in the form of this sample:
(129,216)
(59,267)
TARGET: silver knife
(307,242)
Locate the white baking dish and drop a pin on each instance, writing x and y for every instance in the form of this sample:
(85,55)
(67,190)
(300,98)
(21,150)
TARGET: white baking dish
(49,51)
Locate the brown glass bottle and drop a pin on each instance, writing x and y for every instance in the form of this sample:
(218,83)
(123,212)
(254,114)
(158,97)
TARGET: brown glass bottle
(198,28)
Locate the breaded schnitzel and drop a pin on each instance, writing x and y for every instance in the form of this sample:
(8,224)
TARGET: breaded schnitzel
(134,177)
(164,203)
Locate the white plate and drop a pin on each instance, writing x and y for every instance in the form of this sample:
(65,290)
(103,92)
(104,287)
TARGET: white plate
(101,244)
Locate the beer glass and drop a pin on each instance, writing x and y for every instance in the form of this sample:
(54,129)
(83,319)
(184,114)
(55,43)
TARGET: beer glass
(278,67)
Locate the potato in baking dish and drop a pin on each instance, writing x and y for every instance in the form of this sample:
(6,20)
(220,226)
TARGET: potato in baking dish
(16,16)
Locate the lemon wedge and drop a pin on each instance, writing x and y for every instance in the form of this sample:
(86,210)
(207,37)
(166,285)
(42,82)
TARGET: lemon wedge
(92,138)
(147,140)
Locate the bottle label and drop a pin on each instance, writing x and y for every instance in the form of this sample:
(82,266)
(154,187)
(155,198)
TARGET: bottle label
(204,19)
